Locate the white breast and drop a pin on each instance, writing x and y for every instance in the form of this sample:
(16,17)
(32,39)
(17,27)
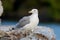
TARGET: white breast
(34,20)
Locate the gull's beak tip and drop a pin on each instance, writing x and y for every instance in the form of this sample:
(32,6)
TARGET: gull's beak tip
(29,12)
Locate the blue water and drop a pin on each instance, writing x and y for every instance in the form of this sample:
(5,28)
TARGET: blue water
(54,26)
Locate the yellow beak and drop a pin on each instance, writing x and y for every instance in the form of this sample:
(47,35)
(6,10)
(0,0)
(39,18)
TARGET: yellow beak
(30,12)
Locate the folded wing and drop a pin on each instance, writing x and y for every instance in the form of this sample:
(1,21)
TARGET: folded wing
(22,22)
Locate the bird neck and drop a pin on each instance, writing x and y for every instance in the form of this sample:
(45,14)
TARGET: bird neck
(34,14)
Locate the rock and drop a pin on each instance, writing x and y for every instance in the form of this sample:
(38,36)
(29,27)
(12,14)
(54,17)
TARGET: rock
(41,33)
(2,33)
(4,38)
(38,33)
(45,32)
(6,28)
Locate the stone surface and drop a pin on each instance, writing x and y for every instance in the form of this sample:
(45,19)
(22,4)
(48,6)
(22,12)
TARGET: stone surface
(38,33)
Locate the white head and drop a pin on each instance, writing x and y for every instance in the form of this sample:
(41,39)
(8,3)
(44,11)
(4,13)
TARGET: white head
(33,11)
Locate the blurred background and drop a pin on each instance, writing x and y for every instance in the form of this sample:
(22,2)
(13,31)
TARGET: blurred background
(49,10)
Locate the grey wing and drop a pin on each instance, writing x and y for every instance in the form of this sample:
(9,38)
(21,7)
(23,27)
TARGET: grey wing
(23,22)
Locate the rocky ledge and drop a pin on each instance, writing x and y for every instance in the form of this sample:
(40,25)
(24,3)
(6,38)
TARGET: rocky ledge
(38,33)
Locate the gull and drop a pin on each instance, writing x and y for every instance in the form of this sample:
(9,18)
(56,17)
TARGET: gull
(29,22)
(1,10)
